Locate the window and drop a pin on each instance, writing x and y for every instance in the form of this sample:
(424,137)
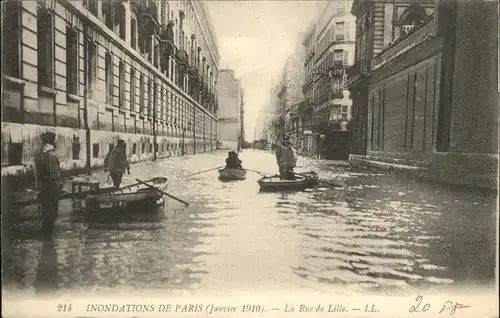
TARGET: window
(341,9)
(141,94)
(121,84)
(76,148)
(132,89)
(162,13)
(156,56)
(109,79)
(143,147)
(338,57)
(91,65)
(151,97)
(339,31)
(11,44)
(95,150)
(346,58)
(122,26)
(134,148)
(91,5)
(15,154)
(153,105)
(149,50)
(133,33)
(72,57)
(45,33)
(109,14)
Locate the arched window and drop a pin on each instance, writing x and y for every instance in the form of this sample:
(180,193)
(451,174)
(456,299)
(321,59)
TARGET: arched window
(411,17)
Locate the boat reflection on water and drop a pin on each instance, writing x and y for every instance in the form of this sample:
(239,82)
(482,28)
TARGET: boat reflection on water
(125,218)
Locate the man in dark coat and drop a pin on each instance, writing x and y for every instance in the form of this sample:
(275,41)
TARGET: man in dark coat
(118,163)
(232,161)
(49,181)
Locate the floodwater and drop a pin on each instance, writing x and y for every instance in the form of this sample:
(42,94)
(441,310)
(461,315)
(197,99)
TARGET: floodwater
(379,233)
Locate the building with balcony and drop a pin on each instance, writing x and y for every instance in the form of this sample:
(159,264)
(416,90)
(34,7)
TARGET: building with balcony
(287,96)
(229,119)
(334,48)
(425,88)
(306,108)
(95,71)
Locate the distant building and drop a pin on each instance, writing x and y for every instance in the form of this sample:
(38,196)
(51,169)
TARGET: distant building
(229,115)
(95,71)
(425,88)
(287,96)
(242,116)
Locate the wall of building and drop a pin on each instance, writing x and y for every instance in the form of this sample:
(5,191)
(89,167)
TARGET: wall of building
(427,111)
(403,109)
(229,123)
(132,95)
(474,110)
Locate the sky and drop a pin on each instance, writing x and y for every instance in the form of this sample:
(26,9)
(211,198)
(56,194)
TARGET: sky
(255,38)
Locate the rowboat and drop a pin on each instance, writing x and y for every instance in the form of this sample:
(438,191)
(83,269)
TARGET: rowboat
(274,183)
(232,174)
(135,196)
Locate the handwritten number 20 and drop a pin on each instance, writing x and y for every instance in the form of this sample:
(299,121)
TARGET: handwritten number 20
(417,308)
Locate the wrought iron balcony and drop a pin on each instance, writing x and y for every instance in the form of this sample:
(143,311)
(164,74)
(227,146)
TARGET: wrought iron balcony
(148,15)
(193,72)
(167,45)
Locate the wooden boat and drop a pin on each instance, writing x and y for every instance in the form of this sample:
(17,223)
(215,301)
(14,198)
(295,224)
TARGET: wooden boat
(135,196)
(232,174)
(274,183)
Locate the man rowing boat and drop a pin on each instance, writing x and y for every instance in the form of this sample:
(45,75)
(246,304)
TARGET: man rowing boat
(286,159)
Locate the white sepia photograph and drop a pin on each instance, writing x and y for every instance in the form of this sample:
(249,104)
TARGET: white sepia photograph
(235,158)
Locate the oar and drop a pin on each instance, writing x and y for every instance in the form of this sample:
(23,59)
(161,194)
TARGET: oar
(319,180)
(264,174)
(192,174)
(165,193)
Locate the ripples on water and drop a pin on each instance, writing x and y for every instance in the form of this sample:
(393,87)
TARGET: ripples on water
(379,233)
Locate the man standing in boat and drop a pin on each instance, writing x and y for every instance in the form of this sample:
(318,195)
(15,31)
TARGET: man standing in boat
(118,163)
(286,158)
(48,181)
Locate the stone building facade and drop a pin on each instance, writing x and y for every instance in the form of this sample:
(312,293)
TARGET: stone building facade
(306,108)
(95,71)
(335,47)
(229,119)
(421,103)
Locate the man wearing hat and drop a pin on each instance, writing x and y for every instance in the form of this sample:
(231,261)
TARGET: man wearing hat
(118,163)
(286,159)
(49,181)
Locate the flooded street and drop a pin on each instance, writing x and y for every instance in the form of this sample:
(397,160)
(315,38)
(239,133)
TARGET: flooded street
(380,233)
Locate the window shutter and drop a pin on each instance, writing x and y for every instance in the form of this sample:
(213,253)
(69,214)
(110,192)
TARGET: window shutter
(346,58)
(347,30)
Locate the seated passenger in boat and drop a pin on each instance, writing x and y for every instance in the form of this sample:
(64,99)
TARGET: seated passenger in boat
(232,161)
